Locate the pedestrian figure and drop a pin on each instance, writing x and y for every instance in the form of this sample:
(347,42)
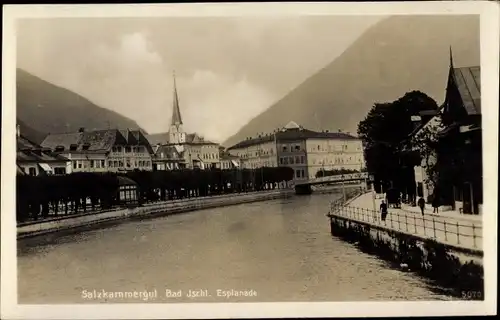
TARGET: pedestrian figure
(421,204)
(435,203)
(383,210)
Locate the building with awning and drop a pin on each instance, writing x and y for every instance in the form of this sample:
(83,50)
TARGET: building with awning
(32,159)
(228,161)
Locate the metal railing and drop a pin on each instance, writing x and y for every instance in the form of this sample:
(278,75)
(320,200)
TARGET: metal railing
(463,234)
(188,202)
(337,178)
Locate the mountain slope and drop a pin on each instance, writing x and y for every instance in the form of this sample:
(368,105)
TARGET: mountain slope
(47,108)
(397,55)
(30,133)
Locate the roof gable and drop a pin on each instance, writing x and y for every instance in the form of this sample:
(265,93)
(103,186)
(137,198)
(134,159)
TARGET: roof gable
(468,82)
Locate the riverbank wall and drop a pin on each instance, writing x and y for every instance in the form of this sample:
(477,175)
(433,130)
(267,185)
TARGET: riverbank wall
(458,270)
(146,211)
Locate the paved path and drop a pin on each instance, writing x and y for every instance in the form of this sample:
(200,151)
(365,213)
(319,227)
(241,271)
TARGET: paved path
(443,228)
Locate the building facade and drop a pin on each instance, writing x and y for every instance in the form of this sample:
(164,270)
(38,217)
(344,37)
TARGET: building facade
(110,150)
(34,160)
(303,150)
(458,133)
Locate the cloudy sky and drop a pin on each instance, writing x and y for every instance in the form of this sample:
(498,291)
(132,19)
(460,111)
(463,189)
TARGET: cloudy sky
(228,70)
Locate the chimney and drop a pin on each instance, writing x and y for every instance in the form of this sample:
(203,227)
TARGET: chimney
(82,129)
(18,131)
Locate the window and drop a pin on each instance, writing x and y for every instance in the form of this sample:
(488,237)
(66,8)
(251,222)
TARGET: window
(103,163)
(79,164)
(281,160)
(284,148)
(291,160)
(32,171)
(119,149)
(302,159)
(74,164)
(128,149)
(297,148)
(297,159)
(297,173)
(319,147)
(59,170)
(91,163)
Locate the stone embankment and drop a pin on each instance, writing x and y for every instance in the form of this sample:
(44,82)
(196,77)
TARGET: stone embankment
(417,247)
(67,223)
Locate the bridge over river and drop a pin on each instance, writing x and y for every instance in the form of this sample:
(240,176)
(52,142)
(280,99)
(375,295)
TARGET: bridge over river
(304,186)
(280,249)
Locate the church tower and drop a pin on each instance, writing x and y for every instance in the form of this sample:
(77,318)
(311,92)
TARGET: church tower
(176,132)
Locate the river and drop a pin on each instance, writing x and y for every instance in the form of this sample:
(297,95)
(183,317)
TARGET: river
(279,250)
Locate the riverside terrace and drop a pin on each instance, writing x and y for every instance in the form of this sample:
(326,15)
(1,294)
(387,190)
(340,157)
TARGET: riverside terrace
(462,233)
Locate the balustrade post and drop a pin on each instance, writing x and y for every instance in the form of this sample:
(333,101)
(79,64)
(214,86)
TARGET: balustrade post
(399,223)
(406,222)
(415,223)
(474,235)
(434,227)
(423,221)
(458,234)
(445,237)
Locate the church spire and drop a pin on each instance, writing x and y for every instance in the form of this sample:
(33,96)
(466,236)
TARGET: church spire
(176,112)
(451,59)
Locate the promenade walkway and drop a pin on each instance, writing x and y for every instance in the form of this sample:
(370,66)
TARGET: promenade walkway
(457,230)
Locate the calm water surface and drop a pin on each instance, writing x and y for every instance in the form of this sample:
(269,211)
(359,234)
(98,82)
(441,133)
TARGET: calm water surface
(281,249)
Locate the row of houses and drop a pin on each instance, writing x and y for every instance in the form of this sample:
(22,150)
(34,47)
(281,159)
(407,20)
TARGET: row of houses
(114,150)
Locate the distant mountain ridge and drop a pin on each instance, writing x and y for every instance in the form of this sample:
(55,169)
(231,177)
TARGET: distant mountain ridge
(395,56)
(43,108)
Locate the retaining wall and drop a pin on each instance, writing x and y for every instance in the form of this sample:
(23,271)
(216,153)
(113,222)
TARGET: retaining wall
(459,272)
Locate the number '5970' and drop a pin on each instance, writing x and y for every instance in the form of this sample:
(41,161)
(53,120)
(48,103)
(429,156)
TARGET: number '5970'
(472,295)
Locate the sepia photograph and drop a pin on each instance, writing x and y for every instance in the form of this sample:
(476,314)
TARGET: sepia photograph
(249,160)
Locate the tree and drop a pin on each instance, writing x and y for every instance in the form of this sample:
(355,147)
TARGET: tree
(385,132)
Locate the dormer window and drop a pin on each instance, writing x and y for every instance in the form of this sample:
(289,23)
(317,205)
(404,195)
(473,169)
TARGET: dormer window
(59,149)
(73,147)
(85,146)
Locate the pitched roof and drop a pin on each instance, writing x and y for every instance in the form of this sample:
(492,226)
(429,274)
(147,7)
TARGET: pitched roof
(97,140)
(164,138)
(293,133)
(167,152)
(38,156)
(24,143)
(468,81)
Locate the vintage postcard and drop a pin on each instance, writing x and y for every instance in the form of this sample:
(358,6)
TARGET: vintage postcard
(249,160)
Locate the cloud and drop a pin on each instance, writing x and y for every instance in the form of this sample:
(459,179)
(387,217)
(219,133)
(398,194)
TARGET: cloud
(140,84)
(228,69)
